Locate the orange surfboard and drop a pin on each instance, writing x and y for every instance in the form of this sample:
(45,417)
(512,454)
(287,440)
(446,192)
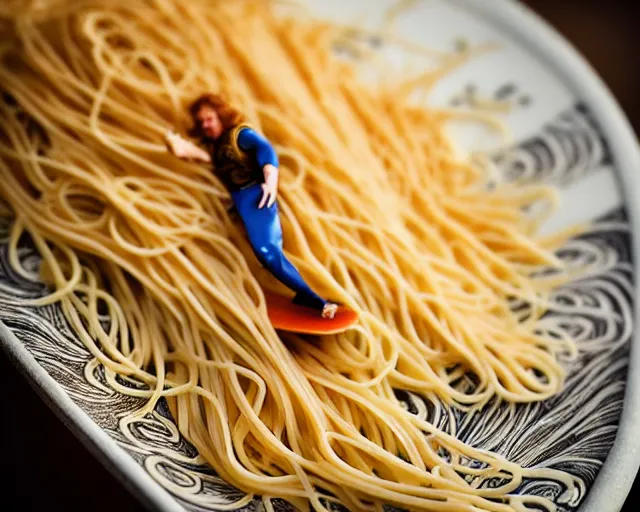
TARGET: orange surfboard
(287,316)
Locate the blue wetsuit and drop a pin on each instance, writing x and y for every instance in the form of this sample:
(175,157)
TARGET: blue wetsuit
(240,156)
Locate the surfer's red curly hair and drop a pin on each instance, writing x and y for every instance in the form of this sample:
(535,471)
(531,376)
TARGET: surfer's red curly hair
(228,115)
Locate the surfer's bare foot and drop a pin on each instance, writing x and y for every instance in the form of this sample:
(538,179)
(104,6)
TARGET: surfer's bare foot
(329,310)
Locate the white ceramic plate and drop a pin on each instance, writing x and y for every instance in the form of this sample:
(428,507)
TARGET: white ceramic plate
(568,131)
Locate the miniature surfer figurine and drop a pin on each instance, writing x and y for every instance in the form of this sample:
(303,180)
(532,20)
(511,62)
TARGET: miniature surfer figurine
(247,164)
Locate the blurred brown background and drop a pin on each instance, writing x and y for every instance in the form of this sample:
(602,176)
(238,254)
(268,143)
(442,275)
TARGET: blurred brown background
(607,33)
(46,468)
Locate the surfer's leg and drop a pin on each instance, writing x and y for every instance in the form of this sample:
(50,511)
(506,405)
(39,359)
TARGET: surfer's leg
(265,235)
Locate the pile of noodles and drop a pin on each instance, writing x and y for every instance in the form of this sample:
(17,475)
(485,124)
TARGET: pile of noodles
(378,212)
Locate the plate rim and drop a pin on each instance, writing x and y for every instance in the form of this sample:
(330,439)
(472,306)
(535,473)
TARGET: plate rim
(617,474)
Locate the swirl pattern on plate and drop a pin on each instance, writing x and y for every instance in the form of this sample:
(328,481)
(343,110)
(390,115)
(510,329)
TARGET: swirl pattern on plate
(568,148)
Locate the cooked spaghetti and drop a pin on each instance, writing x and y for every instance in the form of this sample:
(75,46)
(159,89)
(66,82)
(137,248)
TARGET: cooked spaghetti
(379,213)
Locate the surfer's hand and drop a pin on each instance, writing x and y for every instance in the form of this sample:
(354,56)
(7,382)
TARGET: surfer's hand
(270,186)
(185,149)
(175,144)
(269,194)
